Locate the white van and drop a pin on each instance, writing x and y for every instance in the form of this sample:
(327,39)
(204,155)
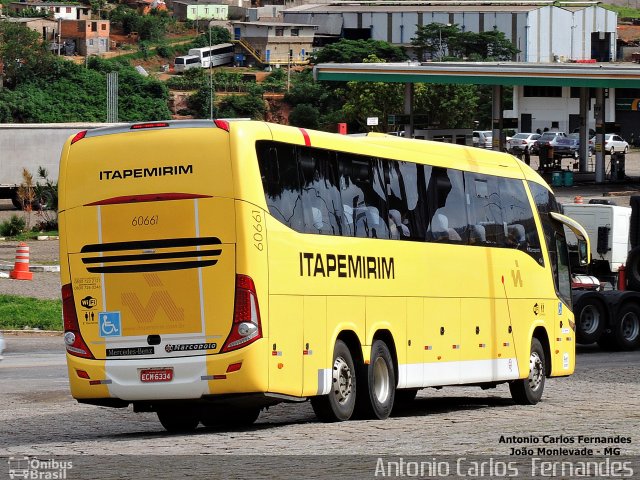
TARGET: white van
(186,62)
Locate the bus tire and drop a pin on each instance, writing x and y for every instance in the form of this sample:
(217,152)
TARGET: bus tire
(339,404)
(178,419)
(234,418)
(590,319)
(528,391)
(377,384)
(626,330)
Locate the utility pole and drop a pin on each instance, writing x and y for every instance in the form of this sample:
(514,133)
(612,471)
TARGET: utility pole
(210,77)
(59,34)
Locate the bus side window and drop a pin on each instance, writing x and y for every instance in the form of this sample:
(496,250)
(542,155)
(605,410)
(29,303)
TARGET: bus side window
(320,196)
(445,196)
(517,215)
(406,215)
(484,207)
(364,202)
(279,169)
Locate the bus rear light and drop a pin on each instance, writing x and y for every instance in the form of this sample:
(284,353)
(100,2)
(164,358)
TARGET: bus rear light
(223,124)
(72,337)
(140,126)
(246,327)
(79,136)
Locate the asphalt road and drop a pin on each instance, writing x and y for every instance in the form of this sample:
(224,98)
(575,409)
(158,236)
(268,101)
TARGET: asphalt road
(39,418)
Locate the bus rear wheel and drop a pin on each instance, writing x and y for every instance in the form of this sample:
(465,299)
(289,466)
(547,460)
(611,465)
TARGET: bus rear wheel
(528,391)
(178,419)
(338,405)
(377,384)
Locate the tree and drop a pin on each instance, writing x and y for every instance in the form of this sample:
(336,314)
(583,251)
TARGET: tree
(21,53)
(326,97)
(373,99)
(355,51)
(433,40)
(447,106)
(218,35)
(305,116)
(436,39)
(242,106)
(200,103)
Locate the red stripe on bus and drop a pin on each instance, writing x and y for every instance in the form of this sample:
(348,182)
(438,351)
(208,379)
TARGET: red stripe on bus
(150,197)
(307,140)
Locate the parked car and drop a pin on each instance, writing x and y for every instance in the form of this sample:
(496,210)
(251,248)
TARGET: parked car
(592,132)
(612,143)
(483,138)
(550,139)
(568,146)
(2,345)
(523,141)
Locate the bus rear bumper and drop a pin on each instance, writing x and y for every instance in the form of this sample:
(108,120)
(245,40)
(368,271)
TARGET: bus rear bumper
(177,378)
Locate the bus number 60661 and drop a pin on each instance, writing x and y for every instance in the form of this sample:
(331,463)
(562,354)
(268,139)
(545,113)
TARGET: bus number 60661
(140,221)
(258,237)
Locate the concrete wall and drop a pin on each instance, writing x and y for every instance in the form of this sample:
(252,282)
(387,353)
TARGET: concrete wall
(34,145)
(545,110)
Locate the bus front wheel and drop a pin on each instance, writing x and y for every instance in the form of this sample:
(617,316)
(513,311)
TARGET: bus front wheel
(377,384)
(528,391)
(178,420)
(338,405)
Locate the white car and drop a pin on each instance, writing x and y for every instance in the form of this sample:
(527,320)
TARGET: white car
(523,141)
(612,143)
(2,345)
(483,139)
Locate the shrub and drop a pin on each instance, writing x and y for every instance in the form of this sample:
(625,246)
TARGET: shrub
(12,227)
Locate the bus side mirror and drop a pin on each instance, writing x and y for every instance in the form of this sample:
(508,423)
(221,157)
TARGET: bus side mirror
(583,253)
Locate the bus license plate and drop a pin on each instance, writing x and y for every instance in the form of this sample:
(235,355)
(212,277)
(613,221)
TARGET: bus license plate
(156,375)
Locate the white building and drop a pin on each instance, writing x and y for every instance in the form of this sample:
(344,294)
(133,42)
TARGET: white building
(555,108)
(541,31)
(59,11)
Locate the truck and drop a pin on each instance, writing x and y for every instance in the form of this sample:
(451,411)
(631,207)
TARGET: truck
(606,294)
(30,146)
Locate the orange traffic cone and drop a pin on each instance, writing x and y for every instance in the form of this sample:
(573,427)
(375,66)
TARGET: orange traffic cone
(21,269)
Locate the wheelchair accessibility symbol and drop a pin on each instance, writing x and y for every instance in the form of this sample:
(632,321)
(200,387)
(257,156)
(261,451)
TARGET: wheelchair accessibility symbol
(109,324)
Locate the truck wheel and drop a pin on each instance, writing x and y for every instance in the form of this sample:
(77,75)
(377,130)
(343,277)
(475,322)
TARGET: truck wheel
(338,405)
(377,384)
(626,330)
(590,320)
(528,391)
(633,269)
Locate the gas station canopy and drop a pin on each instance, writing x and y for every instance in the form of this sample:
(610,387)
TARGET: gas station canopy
(603,75)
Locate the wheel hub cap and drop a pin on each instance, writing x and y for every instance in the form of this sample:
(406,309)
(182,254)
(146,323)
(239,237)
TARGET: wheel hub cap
(342,381)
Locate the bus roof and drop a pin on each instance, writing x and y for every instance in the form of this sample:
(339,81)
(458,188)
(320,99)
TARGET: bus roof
(212,47)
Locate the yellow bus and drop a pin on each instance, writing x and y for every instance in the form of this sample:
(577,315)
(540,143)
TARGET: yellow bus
(213,268)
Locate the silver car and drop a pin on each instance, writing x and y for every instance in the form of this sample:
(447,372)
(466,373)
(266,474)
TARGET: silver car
(523,141)
(483,138)
(2,345)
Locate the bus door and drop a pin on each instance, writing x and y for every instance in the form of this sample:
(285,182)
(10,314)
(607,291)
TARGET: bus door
(487,334)
(563,354)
